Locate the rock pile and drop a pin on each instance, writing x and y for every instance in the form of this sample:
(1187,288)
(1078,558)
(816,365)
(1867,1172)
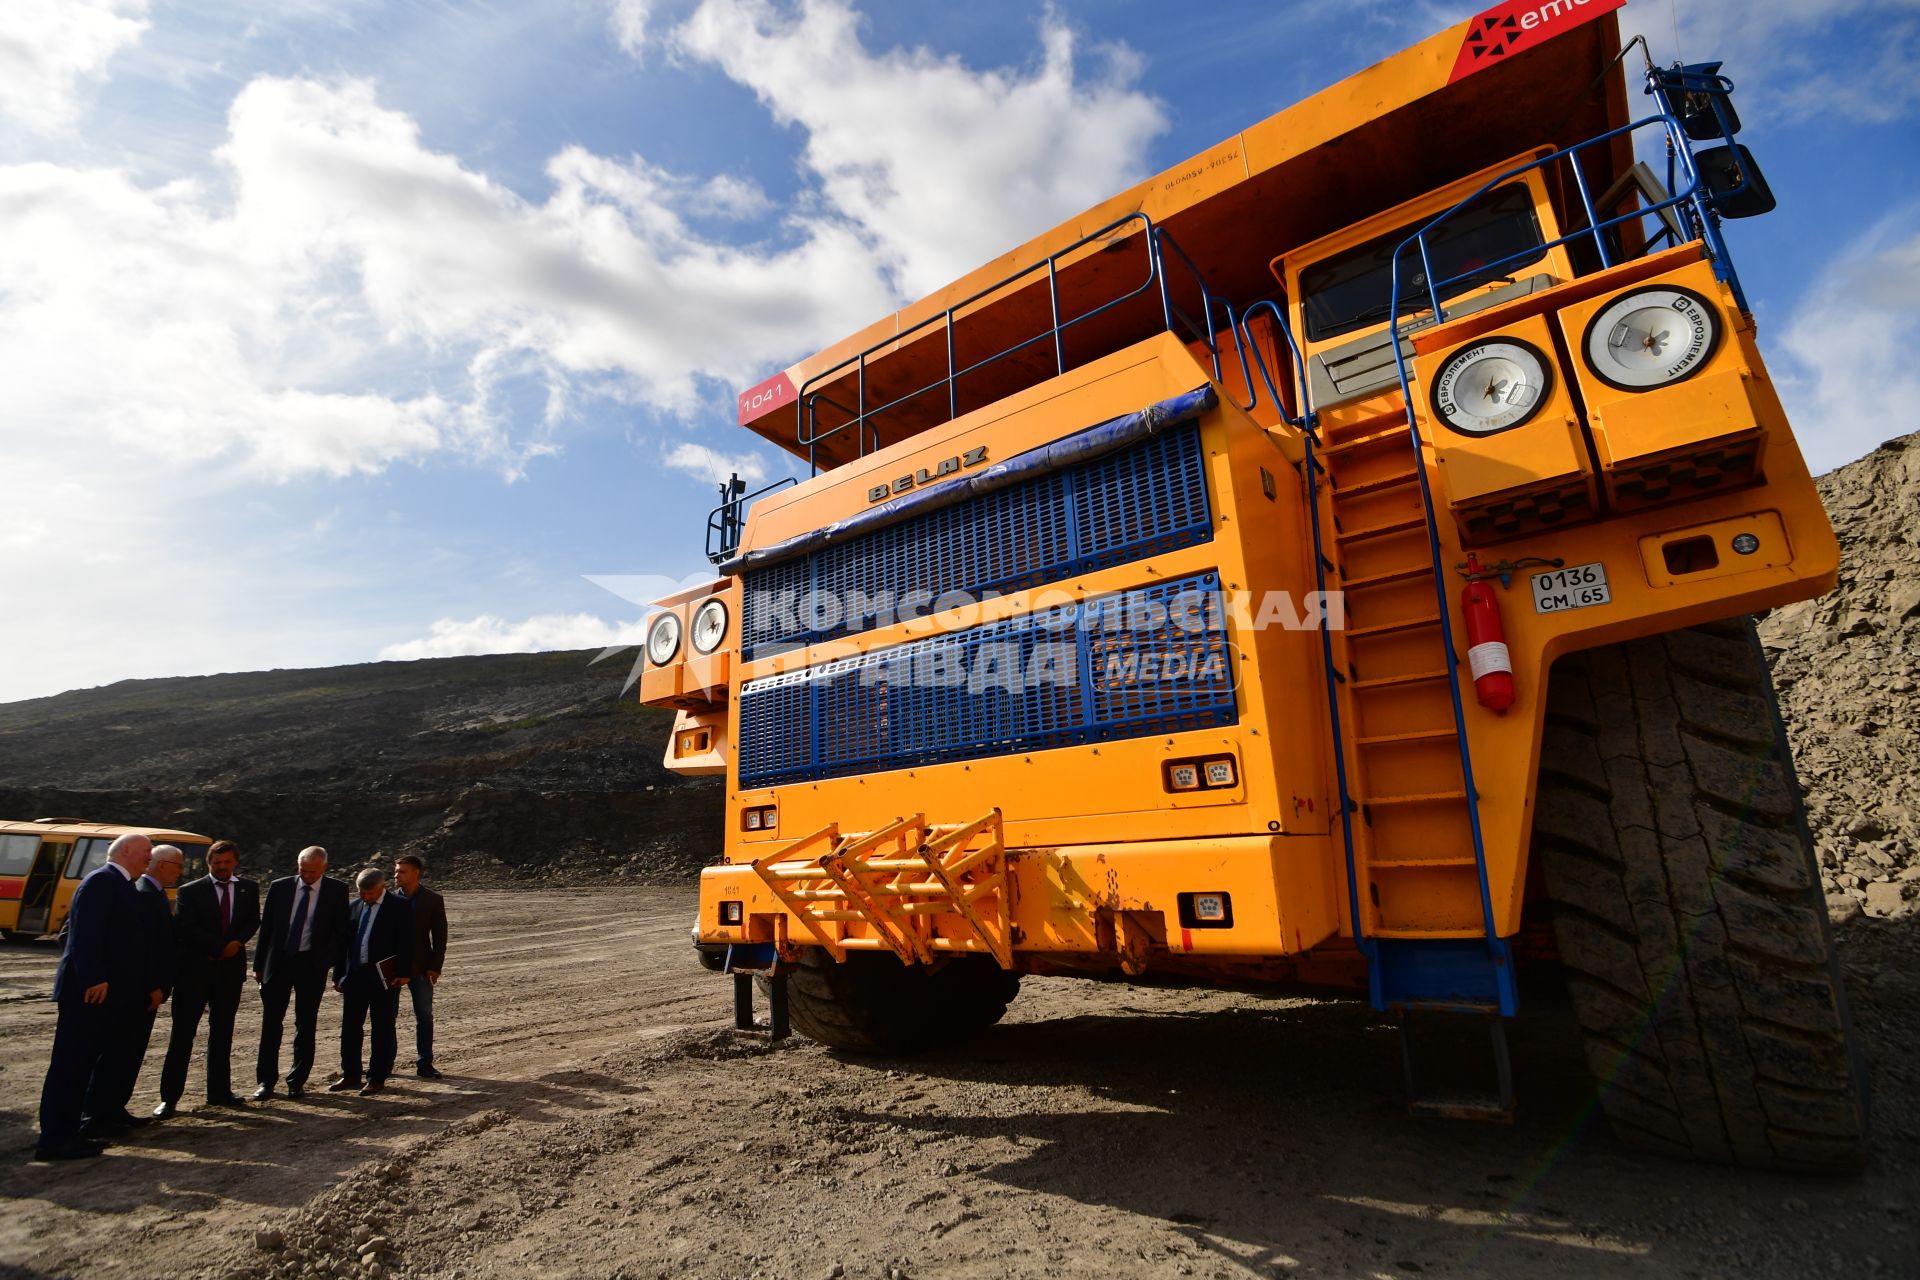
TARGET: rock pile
(1847,667)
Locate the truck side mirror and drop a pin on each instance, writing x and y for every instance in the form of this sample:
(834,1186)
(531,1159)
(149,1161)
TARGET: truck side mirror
(1703,99)
(1733,183)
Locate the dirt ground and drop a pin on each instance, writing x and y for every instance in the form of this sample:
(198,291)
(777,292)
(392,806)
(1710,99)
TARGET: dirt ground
(598,1120)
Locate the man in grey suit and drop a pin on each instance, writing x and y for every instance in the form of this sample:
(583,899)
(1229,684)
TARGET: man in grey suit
(300,929)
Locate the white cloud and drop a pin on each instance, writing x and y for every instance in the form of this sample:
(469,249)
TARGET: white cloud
(943,167)
(1850,346)
(628,21)
(284,333)
(337,298)
(1783,51)
(714,466)
(453,638)
(47,47)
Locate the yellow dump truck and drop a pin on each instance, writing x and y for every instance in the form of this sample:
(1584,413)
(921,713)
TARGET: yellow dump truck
(1325,564)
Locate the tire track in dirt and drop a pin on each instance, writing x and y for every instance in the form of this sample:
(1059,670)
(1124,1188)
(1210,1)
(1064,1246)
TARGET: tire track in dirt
(599,1120)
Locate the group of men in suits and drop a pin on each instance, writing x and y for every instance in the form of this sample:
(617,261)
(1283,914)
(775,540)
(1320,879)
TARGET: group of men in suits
(129,950)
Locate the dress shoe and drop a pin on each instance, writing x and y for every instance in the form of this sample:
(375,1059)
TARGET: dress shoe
(164,1111)
(132,1121)
(372,1087)
(427,1071)
(230,1100)
(296,1090)
(343,1086)
(71,1149)
(264,1092)
(102,1131)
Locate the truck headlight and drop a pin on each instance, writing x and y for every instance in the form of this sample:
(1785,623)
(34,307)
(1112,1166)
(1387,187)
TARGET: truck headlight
(709,626)
(1492,385)
(663,639)
(1649,338)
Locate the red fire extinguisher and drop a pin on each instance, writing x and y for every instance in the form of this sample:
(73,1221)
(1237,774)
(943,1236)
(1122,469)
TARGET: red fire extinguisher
(1487,653)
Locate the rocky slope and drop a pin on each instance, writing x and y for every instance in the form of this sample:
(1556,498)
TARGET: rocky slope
(496,768)
(1847,667)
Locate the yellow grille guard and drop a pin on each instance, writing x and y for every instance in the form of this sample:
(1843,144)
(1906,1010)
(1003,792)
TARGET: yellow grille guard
(898,882)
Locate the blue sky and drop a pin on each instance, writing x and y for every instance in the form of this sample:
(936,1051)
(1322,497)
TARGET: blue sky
(375,328)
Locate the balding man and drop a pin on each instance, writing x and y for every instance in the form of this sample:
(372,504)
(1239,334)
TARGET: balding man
(106,1108)
(300,931)
(99,985)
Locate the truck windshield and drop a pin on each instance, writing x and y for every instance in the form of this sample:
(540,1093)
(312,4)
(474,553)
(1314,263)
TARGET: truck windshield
(1349,292)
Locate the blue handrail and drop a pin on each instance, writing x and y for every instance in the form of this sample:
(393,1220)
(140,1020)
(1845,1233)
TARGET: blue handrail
(1418,239)
(1309,430)
(1691,198)
(1157,242)
(1304,419)
(725,521)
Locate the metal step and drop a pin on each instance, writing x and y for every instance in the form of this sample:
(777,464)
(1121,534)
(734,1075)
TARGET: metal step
(1388,628)
(1454,975)
(1455,1098)
(1407,574)
(1411,677)
(1428,797)
(1394,481)
(1418,735)
(1381,530)
(1371,440)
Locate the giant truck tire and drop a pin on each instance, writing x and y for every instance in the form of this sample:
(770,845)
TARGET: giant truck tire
(1688,909)
(874,1004)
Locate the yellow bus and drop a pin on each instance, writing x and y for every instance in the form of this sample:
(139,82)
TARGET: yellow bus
(1324,564)
(43,861)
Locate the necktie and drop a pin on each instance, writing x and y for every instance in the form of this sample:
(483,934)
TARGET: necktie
(366,927)
(295,933)
(226,908)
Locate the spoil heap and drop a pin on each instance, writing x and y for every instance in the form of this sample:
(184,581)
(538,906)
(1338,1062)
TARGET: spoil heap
(1847,667)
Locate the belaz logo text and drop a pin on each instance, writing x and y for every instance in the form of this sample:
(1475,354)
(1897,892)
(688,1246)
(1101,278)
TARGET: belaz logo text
(946,467)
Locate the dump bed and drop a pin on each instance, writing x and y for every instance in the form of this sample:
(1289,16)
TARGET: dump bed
(1452,104)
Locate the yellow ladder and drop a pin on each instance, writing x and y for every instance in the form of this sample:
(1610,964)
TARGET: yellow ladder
(1414,843)
(911,887)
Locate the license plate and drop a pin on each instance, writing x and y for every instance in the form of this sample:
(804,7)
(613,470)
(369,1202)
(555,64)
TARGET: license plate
(1578,586)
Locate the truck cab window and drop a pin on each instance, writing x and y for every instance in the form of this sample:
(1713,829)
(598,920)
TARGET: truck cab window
(1349,291)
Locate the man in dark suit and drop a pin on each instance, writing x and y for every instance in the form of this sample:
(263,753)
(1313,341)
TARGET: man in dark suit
(374,960)
(300,931)
(214,917)
(99,986)
(429,955)
(106,1109)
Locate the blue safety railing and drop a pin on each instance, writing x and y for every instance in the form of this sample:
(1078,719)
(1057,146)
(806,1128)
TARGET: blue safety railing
(726,521)
(1160,249)
(1303,418)
(1690,200)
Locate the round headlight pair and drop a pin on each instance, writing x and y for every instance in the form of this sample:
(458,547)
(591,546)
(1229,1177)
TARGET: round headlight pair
(1641,340)
(709,628)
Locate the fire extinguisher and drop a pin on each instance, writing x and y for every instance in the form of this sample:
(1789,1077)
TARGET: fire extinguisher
(1487,653)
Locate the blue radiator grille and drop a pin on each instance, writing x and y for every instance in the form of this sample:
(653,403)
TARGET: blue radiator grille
(1141,501)
(1147,661)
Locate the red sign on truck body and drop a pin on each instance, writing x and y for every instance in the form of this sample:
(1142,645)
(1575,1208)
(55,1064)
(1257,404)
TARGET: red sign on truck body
(1507,29)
